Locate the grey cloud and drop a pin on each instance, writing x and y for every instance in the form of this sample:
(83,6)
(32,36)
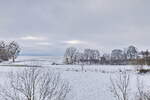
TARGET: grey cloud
(102,23)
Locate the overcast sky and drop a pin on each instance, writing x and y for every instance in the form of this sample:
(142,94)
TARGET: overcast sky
(50,26)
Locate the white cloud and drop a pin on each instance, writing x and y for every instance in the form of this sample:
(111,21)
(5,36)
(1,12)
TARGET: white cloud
(44,44)
(74,42)
(33,38)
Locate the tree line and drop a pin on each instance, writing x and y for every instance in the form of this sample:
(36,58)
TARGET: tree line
(9,50)
(129,55)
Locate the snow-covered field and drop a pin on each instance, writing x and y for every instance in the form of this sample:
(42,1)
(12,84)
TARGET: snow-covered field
(90,84)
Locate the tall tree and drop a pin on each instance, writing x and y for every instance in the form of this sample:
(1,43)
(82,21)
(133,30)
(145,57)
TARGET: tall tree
(3,51)
(117,56)
(69,54)
(132,52)
(13,50)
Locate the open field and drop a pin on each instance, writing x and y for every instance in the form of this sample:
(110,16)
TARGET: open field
(91,83)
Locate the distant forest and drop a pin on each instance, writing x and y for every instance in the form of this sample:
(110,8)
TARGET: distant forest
(128,56)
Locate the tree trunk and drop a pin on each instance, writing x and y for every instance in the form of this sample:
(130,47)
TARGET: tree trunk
(13,59)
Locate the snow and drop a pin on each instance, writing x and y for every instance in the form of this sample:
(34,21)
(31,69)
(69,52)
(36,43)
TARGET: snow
(91,84)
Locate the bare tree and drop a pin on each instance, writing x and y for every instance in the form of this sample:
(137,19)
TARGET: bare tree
(13,50)
(91,56)
(120,86)
(116,56)
(78,57)
(87,55)
(3,52)
(34,84)
(142,93)
(69,54)
(132,52)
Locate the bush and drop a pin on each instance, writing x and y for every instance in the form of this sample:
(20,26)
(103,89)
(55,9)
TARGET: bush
(140,71)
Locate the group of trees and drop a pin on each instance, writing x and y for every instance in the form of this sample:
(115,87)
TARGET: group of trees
(88,56)
(9,50)
(126,56)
